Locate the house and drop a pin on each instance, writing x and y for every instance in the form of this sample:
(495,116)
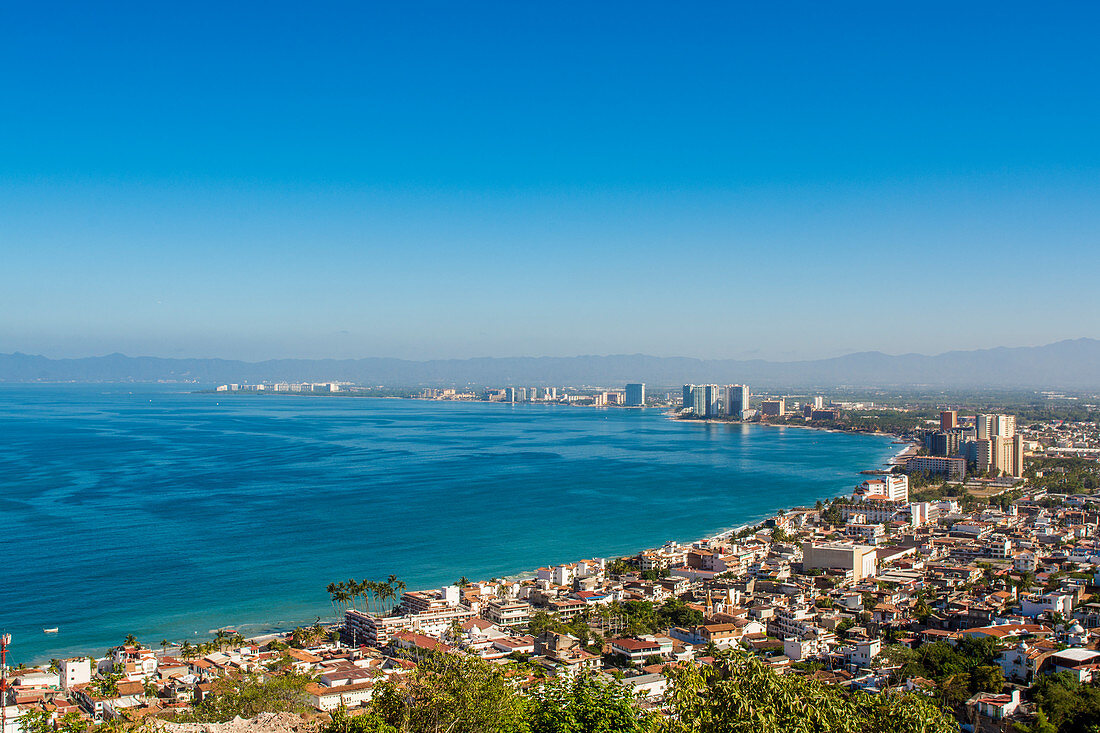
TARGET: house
(137,662)
(1021,662)
(647,686)
(327,699)
(523,644)
(861,653)
(562,654)
(1007,632)
(993,707)
(635,650)
(504,612)
(302,661)
(75,671)
(1054,602)
(1079,663)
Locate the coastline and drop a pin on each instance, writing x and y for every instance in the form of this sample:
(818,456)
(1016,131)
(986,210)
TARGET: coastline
(330,623)
(294,607)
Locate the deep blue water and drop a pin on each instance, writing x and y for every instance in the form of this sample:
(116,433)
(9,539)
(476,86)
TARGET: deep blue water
(150,510)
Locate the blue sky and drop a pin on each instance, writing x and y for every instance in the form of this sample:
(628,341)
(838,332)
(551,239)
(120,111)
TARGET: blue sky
(778,180)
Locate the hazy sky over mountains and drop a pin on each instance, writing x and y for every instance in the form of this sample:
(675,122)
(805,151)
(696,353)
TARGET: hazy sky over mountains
(448,180)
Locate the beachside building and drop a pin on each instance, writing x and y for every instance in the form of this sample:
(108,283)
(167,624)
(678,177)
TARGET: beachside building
(136,662)
(773,408)
(505,612)
(737,400)
(954,469)
(890,487)
(75,671)
(635,394)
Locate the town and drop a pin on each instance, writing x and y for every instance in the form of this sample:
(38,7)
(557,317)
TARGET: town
(997,572)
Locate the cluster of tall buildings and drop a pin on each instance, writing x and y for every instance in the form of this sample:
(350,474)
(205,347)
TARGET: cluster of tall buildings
(529,394)
(990,444)
(712,400)
(632,396)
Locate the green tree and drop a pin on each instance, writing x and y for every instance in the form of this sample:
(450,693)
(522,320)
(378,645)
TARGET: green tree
(585,705)
(450,692)
(1041,725)
(1066,703)
(369,722)
(740,693)
(36,720)
(250,694)
(71,722)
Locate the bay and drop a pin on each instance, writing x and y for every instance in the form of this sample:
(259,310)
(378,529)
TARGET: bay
(152,510)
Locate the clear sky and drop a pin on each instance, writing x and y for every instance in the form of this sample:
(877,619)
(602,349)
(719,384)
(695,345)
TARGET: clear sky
(778,180)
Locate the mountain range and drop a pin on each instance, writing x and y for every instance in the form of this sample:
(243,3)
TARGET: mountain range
(1062,365)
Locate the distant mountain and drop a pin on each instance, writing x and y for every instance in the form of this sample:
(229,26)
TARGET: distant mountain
(1062,365)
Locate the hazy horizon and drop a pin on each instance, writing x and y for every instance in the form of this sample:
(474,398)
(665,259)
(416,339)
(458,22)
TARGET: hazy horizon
(532,356)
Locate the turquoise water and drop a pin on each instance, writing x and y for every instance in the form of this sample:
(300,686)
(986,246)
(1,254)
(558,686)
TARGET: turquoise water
(149,510)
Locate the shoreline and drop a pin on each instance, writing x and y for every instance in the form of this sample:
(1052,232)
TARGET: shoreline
(669,414)
(329,622)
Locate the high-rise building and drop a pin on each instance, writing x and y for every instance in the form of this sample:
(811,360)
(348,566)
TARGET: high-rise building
(713,398)
(1004,426)
(773,408)
(689,398)
(635,395)
(1018,455)
(1000,455)
(949,420)
(699,400)
(944,443)
(737,400)
(509,394)
(818,402)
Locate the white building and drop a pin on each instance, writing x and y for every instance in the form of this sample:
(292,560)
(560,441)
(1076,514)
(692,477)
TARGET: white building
(890,487)
(1055,602)
(737,400)
(75,671)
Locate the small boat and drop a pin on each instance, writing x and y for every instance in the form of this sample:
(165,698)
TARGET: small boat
(50,631)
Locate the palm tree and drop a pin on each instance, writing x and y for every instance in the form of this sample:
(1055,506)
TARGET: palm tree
(130,640)
(187,651)
(355,589)
(331,588)
(342,596)
(369,588)
(164,644)
(399,586)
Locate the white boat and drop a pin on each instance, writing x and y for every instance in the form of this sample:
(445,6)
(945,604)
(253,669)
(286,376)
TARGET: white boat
(50,631)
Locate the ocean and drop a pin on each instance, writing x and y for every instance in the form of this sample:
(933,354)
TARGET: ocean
(151,510)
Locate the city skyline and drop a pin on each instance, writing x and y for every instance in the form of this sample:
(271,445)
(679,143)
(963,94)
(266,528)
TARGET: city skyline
(441,182)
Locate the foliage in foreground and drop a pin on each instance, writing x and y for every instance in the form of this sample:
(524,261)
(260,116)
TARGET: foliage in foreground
(249,695)
(461,694)
(740,693)
(1065,704)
